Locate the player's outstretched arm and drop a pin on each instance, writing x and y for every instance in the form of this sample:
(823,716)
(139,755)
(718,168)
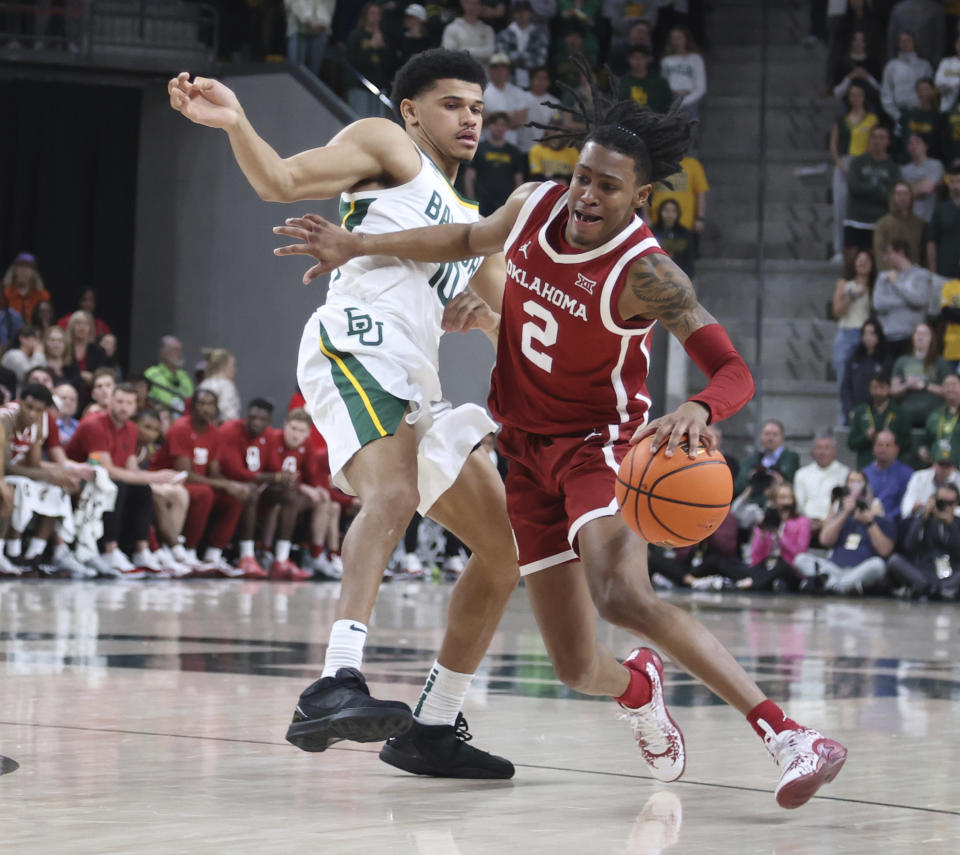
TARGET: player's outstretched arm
(365,150)
(658,289)
(333,246)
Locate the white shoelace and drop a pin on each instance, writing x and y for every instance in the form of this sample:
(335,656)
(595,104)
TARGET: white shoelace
(647,726)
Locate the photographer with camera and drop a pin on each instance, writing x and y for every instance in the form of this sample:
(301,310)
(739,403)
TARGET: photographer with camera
(749,504)
(923,484)
(932,540)
(859,535)
(778,538)
(772,459)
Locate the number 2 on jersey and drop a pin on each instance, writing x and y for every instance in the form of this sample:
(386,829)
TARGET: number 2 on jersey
(534,332)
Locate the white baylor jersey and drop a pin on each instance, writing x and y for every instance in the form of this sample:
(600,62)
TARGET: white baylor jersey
(413,293)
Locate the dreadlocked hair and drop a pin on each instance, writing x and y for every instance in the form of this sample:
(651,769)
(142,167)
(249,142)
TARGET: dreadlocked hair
(657,142)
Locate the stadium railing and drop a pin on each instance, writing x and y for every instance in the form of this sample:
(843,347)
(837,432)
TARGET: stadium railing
(108,30)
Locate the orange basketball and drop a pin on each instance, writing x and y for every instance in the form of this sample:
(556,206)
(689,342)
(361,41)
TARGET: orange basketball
(673,501)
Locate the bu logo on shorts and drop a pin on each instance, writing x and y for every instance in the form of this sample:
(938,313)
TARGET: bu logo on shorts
(362,325)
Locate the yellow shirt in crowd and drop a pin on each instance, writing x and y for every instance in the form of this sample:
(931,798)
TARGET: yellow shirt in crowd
(951,335)
(555,163)
(860,134)
(687,185)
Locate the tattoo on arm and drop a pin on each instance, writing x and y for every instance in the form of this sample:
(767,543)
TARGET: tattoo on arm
(660,290)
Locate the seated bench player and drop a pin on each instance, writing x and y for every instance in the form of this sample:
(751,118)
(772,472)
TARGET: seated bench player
(245,457)
(192,446)
(49,430)
(348,506)
(53,452)
(170,501)
(292,453)
(110,437)
(34,487)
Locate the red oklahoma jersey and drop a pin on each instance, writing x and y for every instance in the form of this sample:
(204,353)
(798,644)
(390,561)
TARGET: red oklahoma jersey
(297,401)
(567,363)
(22,441)
(242,456)
(301,459)
(183,440)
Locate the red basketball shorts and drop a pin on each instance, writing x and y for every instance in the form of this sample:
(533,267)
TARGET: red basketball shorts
(557,484)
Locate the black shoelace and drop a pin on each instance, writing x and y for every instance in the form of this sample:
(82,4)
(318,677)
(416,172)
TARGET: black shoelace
(462,729)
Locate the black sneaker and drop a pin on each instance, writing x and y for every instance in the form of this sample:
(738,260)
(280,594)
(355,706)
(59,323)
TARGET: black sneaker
(340,707)
(441,750)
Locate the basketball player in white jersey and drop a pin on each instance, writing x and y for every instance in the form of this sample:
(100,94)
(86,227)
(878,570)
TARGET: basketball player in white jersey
(368,368)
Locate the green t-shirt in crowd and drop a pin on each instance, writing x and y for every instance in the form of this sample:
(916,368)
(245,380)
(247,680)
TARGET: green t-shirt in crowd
(918,404)
(865,417)
(651,91)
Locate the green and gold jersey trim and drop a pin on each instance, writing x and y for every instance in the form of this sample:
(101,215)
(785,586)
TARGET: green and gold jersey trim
(353,212)
(472,204)
(374,412)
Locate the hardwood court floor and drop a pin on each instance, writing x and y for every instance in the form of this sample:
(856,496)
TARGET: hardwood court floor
(149,718)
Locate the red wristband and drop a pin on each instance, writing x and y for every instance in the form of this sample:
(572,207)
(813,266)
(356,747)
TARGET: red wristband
(731,383)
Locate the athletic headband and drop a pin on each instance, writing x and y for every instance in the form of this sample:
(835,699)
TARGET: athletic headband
(643,153)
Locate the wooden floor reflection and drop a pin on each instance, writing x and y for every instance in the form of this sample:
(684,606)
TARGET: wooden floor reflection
(149,718)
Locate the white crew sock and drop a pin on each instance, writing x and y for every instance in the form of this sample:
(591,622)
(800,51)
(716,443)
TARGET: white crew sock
(60,550)
(345,648)
(283,550)
(213,554)
(442,696)
(246,549)
(35,547)
(13,548)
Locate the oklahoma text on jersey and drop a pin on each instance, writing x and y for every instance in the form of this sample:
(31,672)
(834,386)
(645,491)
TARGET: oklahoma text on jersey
(567,363)
(551,294)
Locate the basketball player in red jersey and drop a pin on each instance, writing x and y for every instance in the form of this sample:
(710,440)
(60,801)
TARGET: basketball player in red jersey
(586,281)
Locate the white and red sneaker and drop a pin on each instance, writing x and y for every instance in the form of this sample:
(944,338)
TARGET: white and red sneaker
(251,568)
(658,737)
(177,569)
(287,571)
(119,563)
(147,561)
(190,558)
(807,761)
(222,567)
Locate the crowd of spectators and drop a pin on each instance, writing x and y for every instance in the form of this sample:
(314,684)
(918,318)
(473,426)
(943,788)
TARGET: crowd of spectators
(888,526)
(159,474)
(166,467)
(894,68)
(172,467)
(652,49)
